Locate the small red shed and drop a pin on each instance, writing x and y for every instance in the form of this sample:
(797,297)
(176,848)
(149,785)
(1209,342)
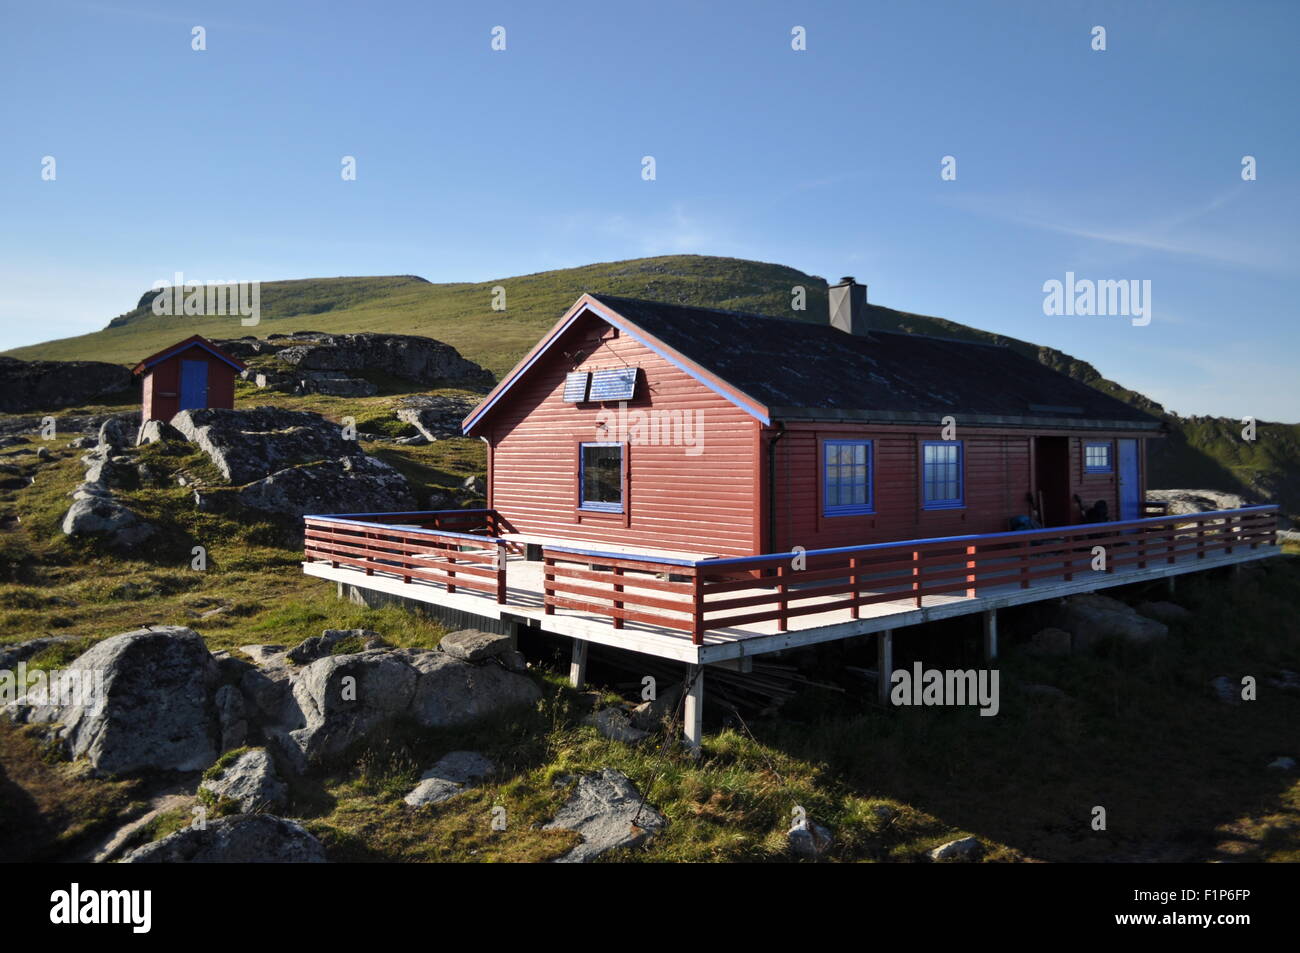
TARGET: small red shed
(188,375)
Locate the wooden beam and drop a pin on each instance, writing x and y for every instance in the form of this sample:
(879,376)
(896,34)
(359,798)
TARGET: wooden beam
(884,665)
(693,715)
(578,664)
(990,635)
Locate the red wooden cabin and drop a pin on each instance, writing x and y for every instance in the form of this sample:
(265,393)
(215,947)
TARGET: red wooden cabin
(649,425)
(191,374)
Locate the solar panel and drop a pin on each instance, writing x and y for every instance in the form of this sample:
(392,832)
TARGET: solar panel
(615,384)
(575,387)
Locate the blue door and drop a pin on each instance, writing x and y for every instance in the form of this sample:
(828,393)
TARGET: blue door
(1130,481)
(194,384)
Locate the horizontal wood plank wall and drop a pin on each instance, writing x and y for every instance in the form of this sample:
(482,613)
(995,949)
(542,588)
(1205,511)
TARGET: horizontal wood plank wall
(998,478)
(676,499)
(1092,487)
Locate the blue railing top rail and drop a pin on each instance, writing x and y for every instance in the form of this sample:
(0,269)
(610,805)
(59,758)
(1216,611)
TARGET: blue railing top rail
(1050,531)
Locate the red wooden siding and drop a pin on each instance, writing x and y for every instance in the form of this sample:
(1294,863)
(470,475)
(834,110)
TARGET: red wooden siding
(674,498)
(998,478)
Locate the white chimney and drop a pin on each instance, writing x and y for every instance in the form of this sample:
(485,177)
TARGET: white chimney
(848,306)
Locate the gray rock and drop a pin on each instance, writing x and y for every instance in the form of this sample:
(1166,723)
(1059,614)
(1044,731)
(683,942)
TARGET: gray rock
(1197,501)
(809,841)
(419,359)
(106,518)
(651,715)
(115,433)
(47,385)
(155,711)
(334,384)
(11,655)
(309,650)
(250,781)
(473,645)
(606,810)
(248,445)
(1092,617)
(1282,764)
(231,717)
(429,689)
(435,416)
(156,431)
(1226,690)
(241,839)
(351,484)
(967,848)
(514,661)
(613,723)
(452,774)
(1166,612)
(1049,641)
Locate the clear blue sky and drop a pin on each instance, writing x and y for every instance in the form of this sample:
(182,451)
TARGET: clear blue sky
(474,164)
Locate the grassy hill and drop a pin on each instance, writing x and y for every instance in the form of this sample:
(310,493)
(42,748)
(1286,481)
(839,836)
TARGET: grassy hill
(1201,452)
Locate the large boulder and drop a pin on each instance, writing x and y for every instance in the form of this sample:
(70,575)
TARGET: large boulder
(152,709)
(100,515)
(249,780)
(608,811)
(435,415)
(46,385)
(473,645)
(1091,617)
(340,701)
(241,839)
(248,445)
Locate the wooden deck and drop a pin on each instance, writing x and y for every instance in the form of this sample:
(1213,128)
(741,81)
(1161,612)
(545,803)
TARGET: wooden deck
(713,611)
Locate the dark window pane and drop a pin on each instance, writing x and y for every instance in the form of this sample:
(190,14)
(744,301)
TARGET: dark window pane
(602,474)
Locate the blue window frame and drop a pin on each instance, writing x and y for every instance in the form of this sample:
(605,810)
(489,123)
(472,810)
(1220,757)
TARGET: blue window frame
(942,475)
(1098,458)
(846,477)
(600,477)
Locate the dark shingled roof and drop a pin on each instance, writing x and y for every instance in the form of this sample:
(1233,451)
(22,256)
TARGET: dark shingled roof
(803,370)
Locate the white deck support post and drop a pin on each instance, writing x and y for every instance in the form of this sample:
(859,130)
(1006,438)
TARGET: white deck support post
(578,664)
(990,635)
(884,666)
(693,712)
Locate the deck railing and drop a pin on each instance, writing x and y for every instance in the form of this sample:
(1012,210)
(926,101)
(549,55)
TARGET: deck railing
(701,595)
(414,546)
(459,549)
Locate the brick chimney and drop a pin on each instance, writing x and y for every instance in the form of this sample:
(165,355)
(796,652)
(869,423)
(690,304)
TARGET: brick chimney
(848,306)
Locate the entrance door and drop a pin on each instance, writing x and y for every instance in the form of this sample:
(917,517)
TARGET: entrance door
(1052,480)
(1130,481)
(194,384)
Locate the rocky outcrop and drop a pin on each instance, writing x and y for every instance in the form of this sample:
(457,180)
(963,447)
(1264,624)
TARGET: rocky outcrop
(249,780)
(156,431)
(607,810)
(248,445)
(241,839)
(341,701)
(435,416)
(451,775)
(472,645)
(150,706)
(1091,617)
(1197,501)
(48,385)
(351,484)
(318,646)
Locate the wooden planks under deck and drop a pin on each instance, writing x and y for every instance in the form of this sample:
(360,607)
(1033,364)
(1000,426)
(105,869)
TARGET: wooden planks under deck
(524,605)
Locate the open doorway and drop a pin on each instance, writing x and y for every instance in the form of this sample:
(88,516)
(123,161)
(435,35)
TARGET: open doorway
(1052,480)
